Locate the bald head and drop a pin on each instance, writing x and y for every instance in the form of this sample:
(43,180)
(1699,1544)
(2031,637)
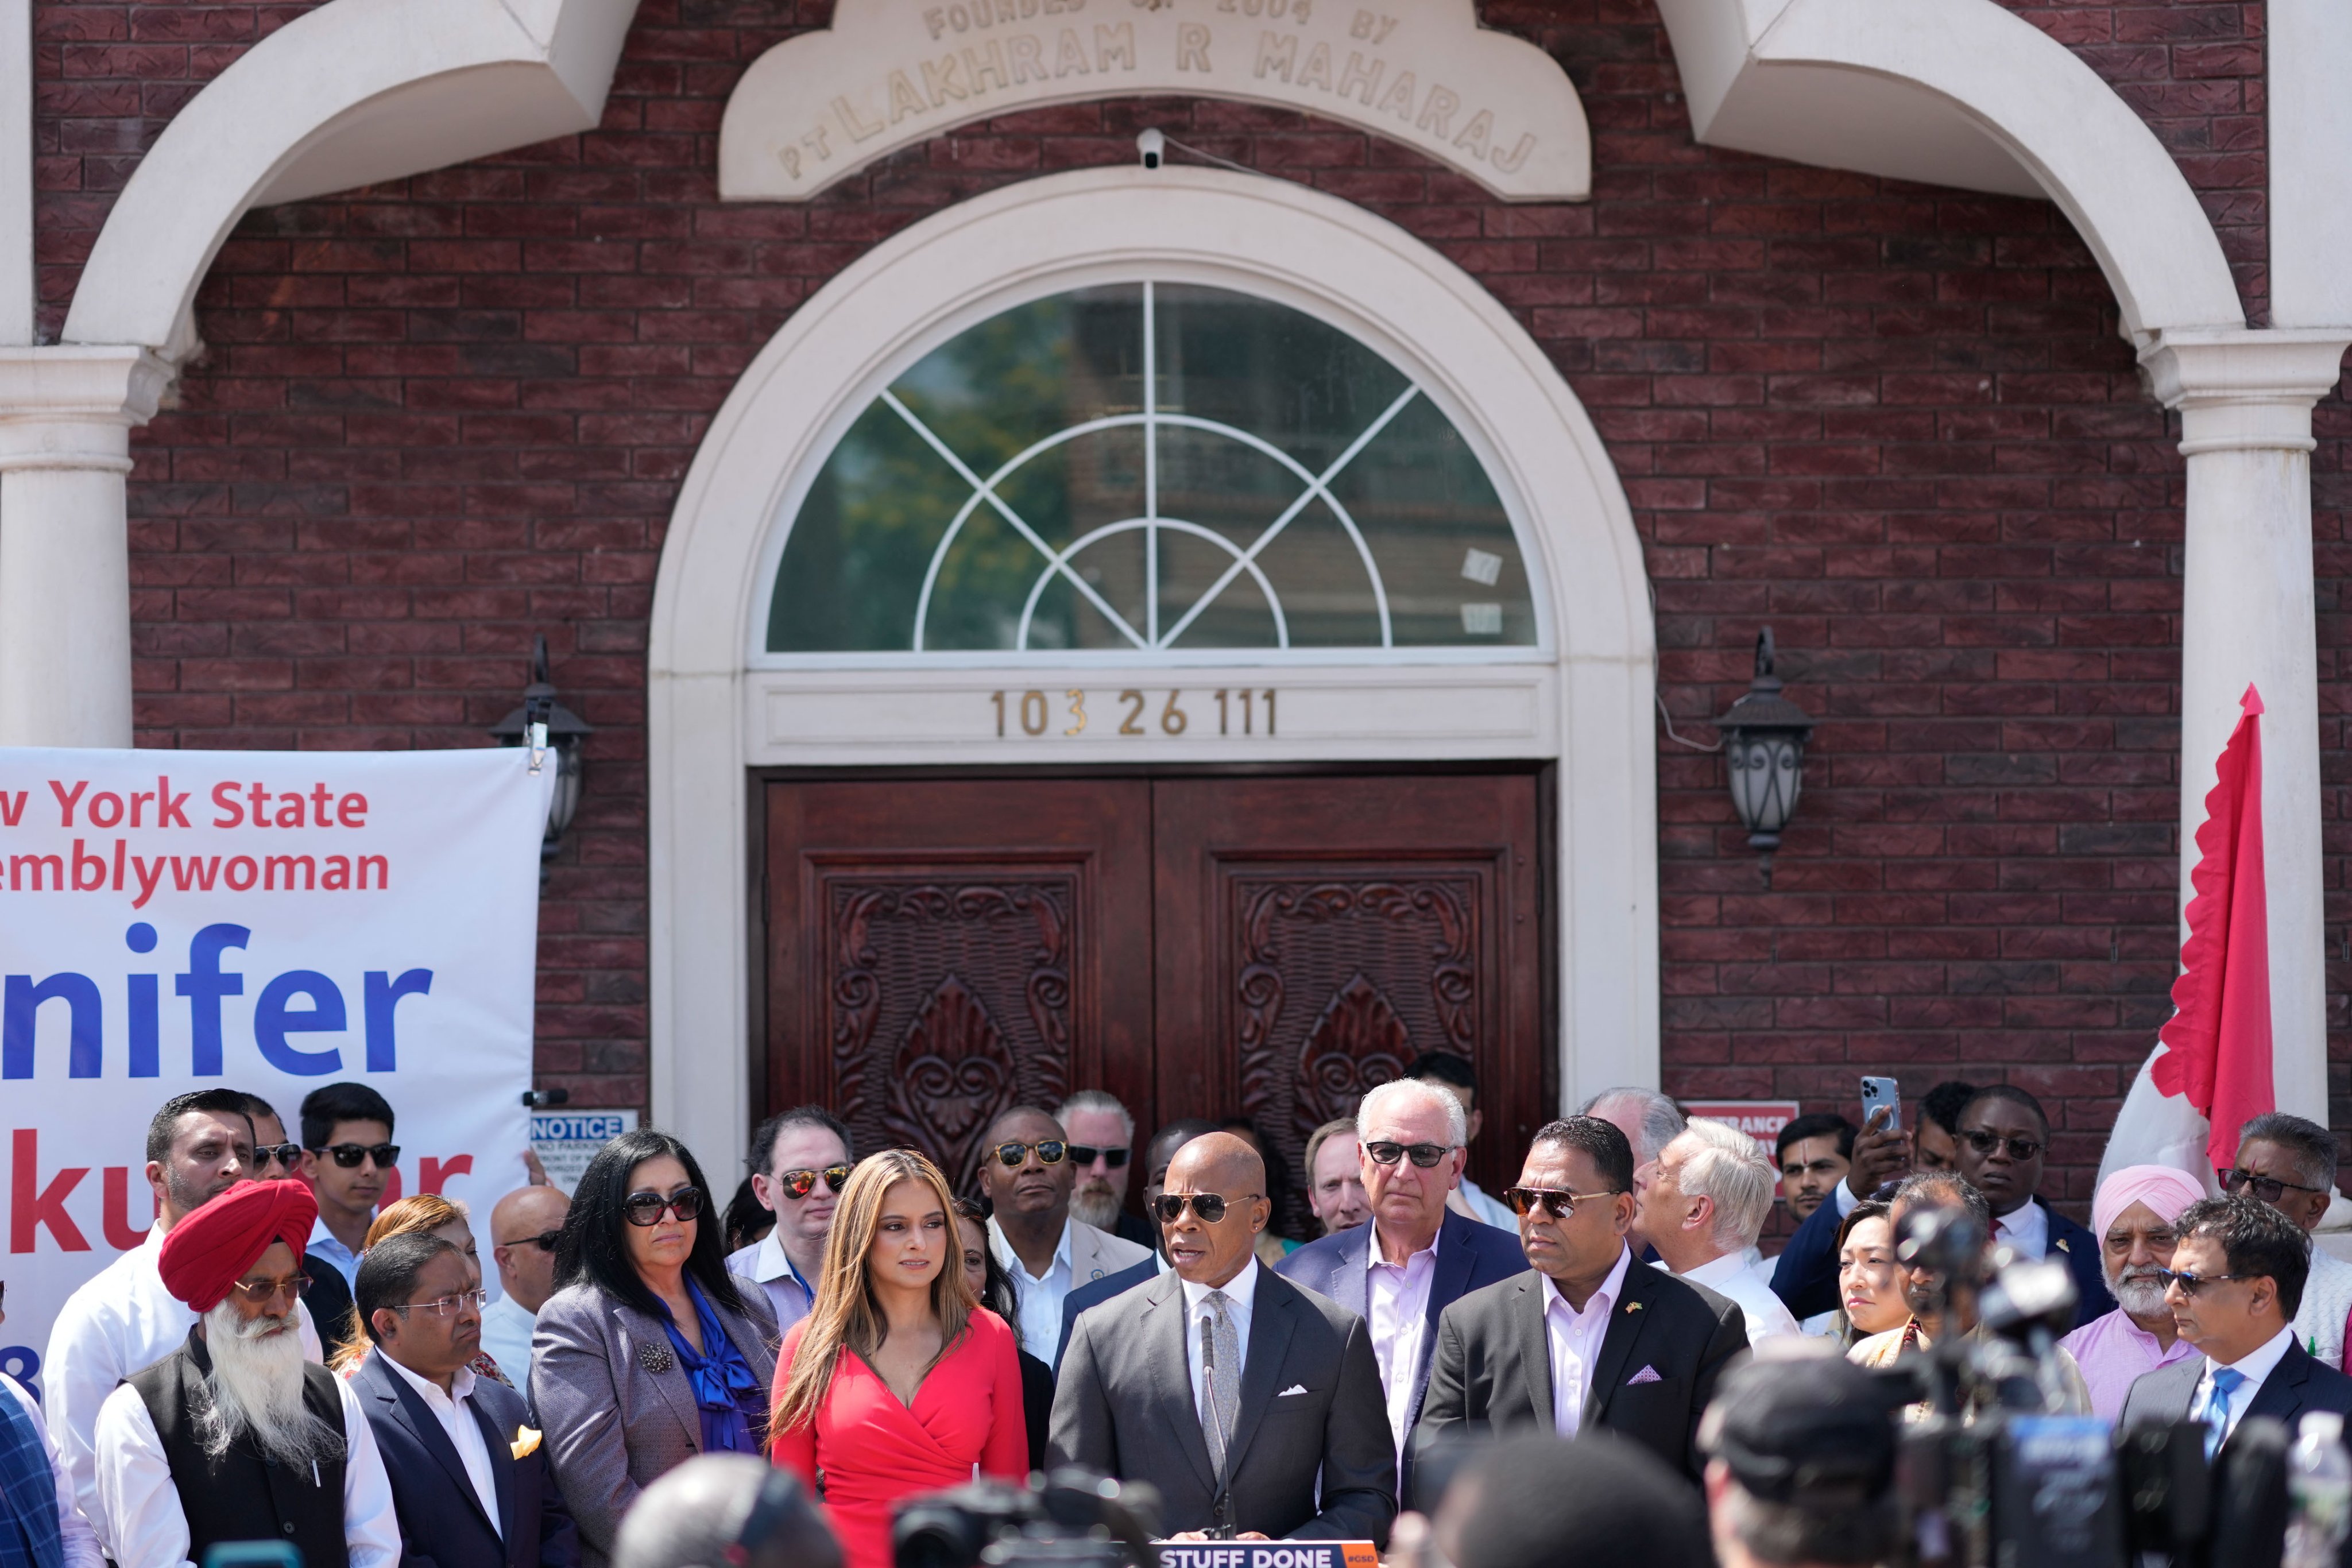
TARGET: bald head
(1031,1194)
(517,1224)
(1223,1173)
(1214,1162)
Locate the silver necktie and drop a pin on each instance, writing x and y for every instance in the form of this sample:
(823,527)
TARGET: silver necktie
(1221,1369)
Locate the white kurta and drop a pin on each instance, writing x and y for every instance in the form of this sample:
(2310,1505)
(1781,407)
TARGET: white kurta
(138,1521)
(81,1546)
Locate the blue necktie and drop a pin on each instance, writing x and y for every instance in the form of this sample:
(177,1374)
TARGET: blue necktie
(2227,1380)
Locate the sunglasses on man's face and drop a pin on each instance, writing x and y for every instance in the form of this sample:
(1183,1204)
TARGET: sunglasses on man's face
(1552,1200)
(1083,1154)
(1208,1206)
(545,1240)
(2270,1189)
(349,1156)
(261,1293)
(1424,1155)
(645,1208)
(800,1183)
(2191,1283)
(1050,1152)
(284,1155)
(1986,1143)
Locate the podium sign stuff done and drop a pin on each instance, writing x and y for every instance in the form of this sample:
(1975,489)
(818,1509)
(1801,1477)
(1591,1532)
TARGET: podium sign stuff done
(267,920)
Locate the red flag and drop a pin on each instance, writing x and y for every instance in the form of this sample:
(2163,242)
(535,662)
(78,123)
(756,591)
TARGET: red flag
(2218,1039)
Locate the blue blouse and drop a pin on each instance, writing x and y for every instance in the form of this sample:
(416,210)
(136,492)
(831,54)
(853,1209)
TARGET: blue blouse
(727,1393)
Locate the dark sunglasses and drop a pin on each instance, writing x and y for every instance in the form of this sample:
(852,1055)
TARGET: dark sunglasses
(2191,1283)
(800,1183)
(1051,1152)
(2270,1189)
(545,1240)
(1115,1158)
(287,1155)
(1424,1155)
(2020,1149)
(349,1156)
(1208,1206)
(1559,1205)
(647,1208)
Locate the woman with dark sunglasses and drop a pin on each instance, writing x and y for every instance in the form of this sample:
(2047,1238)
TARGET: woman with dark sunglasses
(649,1352)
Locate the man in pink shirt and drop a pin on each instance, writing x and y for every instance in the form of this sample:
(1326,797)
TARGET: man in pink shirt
(2133,1217)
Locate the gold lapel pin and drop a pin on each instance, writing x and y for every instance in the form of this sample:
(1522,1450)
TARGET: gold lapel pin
(1633,1306)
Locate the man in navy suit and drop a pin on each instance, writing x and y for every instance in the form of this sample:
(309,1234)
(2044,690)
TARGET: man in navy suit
(469,1479)
(2237,1277)
(1416,1258)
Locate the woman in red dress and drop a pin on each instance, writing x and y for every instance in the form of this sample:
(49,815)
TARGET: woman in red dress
(899,1382)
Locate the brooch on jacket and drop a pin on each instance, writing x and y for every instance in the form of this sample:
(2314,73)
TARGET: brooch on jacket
(655,1358)
(525,1444)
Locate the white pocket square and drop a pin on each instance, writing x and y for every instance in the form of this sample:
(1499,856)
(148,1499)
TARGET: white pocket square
(1647,1374)
(1294,1389)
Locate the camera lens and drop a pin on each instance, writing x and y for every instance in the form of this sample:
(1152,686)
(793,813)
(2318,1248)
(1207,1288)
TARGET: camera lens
(937,1535)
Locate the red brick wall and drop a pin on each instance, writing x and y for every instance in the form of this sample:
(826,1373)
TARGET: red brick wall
(1896,422)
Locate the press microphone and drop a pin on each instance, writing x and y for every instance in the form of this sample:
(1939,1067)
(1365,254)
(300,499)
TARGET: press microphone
(1221,1506)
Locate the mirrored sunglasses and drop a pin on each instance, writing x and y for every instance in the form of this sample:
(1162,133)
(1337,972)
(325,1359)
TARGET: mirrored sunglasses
(1552,1200)
(1209,1206)
(1051,1152)
(801,1183)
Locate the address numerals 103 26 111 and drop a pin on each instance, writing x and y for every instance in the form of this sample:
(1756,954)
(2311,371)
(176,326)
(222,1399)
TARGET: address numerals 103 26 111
(1241,710)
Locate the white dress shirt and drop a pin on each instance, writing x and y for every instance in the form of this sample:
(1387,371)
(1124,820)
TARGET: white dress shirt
(2257,1366)
(1575,1338)
(455,1411)
(139,1521)
(122,1320)
(1396,1309)
(506,1337)
(1747,1279)
(2024,1230)
(764,1264)
(1241,1300)
(1038,1297)
(81,1546)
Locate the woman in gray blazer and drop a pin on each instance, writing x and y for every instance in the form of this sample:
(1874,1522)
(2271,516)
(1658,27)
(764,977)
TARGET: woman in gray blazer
(648,1354)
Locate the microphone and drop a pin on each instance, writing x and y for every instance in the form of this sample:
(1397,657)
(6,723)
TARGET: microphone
(1220,1506)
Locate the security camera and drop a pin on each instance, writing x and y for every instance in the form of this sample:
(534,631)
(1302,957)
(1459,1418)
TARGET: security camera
(1153,145)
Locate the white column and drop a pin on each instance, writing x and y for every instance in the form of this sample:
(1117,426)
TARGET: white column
(2245,400)
(65,413)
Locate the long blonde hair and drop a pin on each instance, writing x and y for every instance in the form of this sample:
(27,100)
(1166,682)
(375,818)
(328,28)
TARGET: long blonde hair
(847,1315)
(426,1212)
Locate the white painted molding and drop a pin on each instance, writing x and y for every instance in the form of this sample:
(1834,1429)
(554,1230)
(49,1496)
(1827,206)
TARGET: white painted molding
(712,715)
(2309,152)
(17,274)
(890,73)
(2246,391)
(69,406)
(354,92)
(1959,92)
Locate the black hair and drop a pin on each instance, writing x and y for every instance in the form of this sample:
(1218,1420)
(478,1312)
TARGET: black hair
(2258,1240)
(594,1250)
(323,1108)
(1614,1499)
(1446,1067)
(214,1102)
(1818,1125)
(997,1291)
(2021,1098)
(1868,1208)
(1180,1131)
(1944,1189)
(747,1220)
(388,1273)
(2313,1146)
(255,1107)
(763,1139)
(1943,1104)
(1612,1151)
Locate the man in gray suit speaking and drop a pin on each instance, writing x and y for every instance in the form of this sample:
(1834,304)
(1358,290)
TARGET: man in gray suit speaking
(1226,1386)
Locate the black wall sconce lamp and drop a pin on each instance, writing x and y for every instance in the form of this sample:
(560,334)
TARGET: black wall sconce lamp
(566,738)
(1764,736)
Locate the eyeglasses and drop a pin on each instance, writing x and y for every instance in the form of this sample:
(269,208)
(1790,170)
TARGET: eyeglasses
(1424,1155)
(1115,1158)
(286,1154)
(444,1306)
(645,1208)
(1985,1143)
(2191,1283)
(2270,1189)
(261,1293)
(349,1156)
(1208,1206)
(1051,1152)
(800,1183)
(545,1240)
(1551,1199)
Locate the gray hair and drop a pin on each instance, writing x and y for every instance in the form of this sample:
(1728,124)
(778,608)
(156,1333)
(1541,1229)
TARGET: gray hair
(1097,1101)
(2313,1145)
(1661,1120)
(1728,1166)
(1457,1125)
(695,1517)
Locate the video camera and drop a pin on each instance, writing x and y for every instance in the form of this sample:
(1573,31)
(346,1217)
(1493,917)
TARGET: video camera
(1995,1475)
(1074,1519)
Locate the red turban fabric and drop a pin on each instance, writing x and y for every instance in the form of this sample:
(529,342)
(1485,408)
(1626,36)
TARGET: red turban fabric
(210,1251)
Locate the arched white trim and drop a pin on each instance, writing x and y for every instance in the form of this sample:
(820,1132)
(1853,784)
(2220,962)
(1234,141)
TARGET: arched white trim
(349,94)
(1959,92)
(1588,702)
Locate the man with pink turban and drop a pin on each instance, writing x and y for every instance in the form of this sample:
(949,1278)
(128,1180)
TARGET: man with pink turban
(2132,1217)
(234,1436)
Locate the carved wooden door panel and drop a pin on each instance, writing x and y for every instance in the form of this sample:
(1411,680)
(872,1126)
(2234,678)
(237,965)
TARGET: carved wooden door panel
(1313,934)
(938,952)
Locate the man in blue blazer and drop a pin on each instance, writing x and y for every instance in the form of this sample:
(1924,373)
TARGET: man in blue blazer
(1414,1257)
(470,1480)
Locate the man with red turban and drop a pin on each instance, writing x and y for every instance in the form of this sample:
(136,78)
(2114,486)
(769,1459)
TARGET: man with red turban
(234,1436)
(2132,1216)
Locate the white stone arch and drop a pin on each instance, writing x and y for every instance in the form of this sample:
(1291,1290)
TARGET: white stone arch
(711,705)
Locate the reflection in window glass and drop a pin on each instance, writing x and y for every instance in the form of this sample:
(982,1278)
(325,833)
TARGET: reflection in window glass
(1147,466)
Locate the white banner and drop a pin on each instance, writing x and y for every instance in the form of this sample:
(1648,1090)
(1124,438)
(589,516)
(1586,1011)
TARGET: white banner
(270,921)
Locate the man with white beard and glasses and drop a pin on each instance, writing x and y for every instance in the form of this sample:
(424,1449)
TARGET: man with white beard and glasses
(122,1320)
(2133,1217)
(234,1436)
(1102,1145)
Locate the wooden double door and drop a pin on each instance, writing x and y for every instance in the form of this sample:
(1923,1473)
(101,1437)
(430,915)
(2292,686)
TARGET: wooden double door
(940,950)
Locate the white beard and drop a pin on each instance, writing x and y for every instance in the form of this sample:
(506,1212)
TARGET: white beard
(1096,1206)
(2140,1294)
(256,1385)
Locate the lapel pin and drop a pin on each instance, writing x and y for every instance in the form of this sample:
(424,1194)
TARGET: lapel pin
(1633,1306)
(655,1358)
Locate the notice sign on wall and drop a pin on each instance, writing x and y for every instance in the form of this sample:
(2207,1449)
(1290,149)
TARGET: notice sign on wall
(267,920)
(565,1141)
(1759,1119)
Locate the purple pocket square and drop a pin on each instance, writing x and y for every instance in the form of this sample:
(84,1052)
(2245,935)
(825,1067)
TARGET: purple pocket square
(1647,1374)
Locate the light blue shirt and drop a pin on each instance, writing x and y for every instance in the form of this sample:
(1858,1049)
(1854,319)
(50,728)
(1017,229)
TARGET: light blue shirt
(763,1264)
(322,1244)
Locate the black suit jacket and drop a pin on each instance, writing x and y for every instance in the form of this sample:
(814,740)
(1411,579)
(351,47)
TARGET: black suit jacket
(2297,1383)
(1311,1456)
(329,1302)
(1095,1293)
(1805,1278)
(1493,1367)
(442,1524)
